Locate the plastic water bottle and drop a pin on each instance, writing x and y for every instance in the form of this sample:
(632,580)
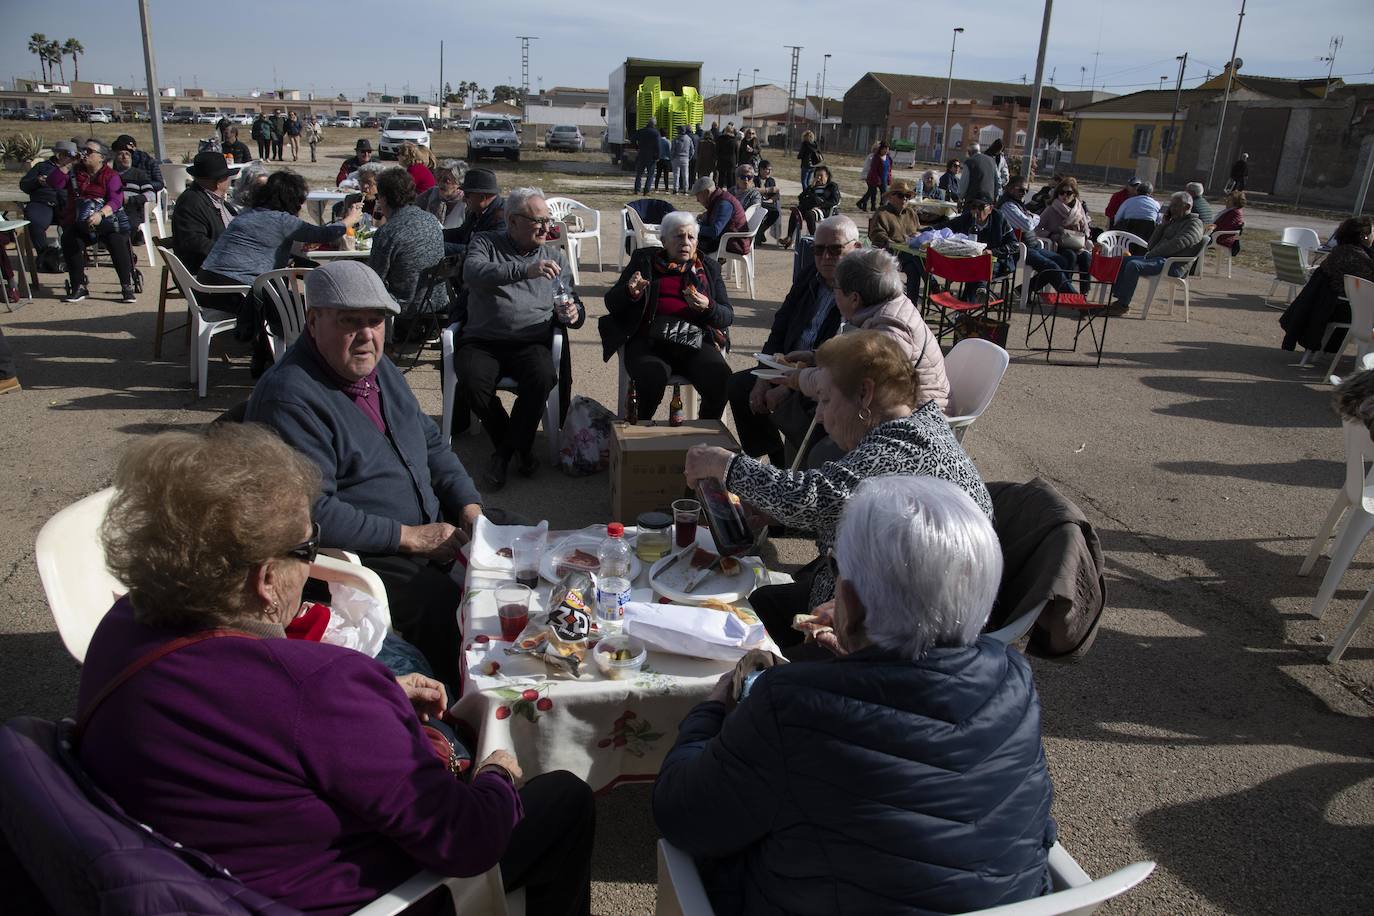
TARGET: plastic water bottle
(613,575)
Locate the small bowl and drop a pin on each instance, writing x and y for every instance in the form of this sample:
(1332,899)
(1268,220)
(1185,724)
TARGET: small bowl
(618,670)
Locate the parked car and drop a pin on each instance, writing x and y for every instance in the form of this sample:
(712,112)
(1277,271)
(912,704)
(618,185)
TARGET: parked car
(493,137)
(100,116)
(348,122)
(205,118)
(400,130)
(564,137)
(464,124)
(182,117)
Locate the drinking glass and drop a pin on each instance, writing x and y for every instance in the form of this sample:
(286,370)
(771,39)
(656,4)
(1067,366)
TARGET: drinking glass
(526,552)
(513,608)
(686,513)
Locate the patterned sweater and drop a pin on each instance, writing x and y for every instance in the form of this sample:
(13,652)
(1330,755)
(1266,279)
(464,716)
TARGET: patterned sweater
(921,445)
(410,242)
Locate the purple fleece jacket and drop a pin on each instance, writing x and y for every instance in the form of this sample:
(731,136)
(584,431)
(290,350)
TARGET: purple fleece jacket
(299,766)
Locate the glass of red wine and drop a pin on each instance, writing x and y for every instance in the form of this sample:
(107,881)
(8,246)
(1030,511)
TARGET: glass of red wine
(526,553)
(686,513)
(513,608)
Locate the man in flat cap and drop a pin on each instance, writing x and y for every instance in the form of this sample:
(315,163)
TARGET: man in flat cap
(392,491)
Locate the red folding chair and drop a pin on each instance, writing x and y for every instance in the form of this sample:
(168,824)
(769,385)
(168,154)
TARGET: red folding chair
(1046,305)
(950,307)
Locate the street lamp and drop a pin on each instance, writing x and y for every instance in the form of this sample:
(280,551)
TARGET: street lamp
(949,87)
(825,61)
(1162,81)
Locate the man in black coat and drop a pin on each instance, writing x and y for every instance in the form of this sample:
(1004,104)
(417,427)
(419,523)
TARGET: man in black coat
(486,210)
(979,220)
(202,211)
(646,144)
(1240,170)
(980,175)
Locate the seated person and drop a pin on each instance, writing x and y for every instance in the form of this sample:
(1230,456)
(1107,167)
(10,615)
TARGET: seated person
(929,188)
(235,147)
(1180,235)
(669,311)
(202,212)
(1123,194)
(362,155)
(419,162)
(444,201)
(1201,208)
(769,196)
(1045,196)
(247,747)
(144,162)
(910,778)
(767,415)
(1047,270)
(409,243)
(871,405)
(1139,214)
(980,221)
(722,214)
(949,181)
(486,210)
(93,211)
(250,179)
(1349,256)
(46,203)
(364,182)
(1065,223)
(814,204)
(744,189)
(511,278)
(893,223)
(392,491)
(1225,230)
(138,189)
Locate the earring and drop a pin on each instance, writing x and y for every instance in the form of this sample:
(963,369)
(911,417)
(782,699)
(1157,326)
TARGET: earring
(865,415)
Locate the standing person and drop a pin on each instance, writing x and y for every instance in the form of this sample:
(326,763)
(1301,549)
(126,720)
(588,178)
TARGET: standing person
(877,176)
(278,124)
(682,150)
(45,201)
(727,156)
(770,195)
(1240,171)
(293,135)
(706,158)
(749,148)
(809,156)
(236,148)
(94,211)
(692,166)
(999,159)
(262,133)
(314,134)
(979,178)
(646,155)
(663,167)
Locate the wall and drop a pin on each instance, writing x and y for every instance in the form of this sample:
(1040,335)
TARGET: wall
(866,107)
(1107,142)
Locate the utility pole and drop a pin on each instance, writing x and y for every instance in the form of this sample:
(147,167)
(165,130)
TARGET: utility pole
(754,98)
(806,92)
(737,78)
(949,88)
(1173,119)
(1230,78)
(792,93)
(525,75)
(825,62)
(1029,155)
(441,80)
(154,100)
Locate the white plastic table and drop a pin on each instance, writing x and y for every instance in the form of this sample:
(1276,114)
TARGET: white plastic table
(316,201)
(20,228)
(321,254)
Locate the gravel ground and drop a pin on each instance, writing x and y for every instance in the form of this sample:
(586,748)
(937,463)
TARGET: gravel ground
(1204,730)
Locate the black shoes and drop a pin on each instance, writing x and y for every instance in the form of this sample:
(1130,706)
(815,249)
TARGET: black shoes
(1116,310)
(496,471)
(77,294)
(528,465)
(126,294)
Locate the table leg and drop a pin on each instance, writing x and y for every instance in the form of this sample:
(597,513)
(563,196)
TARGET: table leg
(24,281)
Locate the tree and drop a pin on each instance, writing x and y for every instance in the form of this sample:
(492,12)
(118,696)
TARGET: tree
(504,93)
(55,56)
(75,49)
(482,97)
(38,44)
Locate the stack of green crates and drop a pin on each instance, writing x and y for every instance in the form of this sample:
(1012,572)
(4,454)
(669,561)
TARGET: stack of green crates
(646,100)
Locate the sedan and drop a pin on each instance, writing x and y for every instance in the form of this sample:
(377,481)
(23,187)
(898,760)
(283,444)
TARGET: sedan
(564,137)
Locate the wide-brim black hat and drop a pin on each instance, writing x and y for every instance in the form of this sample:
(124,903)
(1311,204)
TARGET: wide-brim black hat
(208,164)
(480,181)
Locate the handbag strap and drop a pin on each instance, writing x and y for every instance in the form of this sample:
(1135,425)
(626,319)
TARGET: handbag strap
(144,661)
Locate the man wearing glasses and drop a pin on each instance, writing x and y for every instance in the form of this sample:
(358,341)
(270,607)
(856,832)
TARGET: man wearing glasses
(766,413)
(512,279)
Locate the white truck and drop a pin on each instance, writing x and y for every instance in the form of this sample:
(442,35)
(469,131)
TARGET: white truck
(620,110)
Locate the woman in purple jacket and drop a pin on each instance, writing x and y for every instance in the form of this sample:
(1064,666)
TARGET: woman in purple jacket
(299,766)
(94,212)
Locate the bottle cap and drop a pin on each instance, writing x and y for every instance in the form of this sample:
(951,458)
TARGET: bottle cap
(615,530)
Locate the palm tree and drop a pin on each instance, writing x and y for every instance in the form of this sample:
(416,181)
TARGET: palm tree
(75,49)
(55,56)
(38,44)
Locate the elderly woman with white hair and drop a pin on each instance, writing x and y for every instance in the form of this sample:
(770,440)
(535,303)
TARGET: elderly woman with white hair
(669,312)
(871,404)
(445,199)
(906,776)
(1180,234)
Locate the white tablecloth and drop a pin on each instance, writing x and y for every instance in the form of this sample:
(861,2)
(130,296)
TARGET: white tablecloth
(605,731)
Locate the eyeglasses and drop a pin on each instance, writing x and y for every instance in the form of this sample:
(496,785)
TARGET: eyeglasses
(833,251)
(541,223)
(903,196)
(306,550)
(1066,193)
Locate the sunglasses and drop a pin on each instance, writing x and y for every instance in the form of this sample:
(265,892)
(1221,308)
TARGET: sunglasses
(1066,193)
(903,196)
(833,250)
(306,550)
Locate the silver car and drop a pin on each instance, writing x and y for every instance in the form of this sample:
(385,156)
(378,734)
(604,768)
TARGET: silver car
(565,137)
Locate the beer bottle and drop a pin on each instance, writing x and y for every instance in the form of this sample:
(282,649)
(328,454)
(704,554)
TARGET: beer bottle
(676,415)
(631,406)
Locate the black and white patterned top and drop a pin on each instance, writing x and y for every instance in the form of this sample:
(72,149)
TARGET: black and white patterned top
(920,445)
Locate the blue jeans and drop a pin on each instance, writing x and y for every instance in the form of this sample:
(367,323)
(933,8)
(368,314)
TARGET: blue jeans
(806,171)
(1076,260)
(1047,269)
(644,167)
(1132,269)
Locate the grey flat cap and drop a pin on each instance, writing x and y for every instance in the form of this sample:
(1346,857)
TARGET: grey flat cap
(347,285)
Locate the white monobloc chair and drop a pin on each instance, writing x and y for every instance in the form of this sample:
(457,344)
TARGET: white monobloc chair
(205,323)
(640,233)
(283,291)
(1360,293)
(974,368)
(560,208)
(1355,496)
(681,893)
(151,217)
(1116,244)
(552,407)
(1304,238)
(1290,267)
(754,217)
(1175,283)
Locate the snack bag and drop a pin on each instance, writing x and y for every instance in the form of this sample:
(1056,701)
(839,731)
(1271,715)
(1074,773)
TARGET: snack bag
(561,638)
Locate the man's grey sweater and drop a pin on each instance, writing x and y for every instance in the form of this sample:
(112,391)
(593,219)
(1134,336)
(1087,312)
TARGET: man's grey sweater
(504,304)
(371,483)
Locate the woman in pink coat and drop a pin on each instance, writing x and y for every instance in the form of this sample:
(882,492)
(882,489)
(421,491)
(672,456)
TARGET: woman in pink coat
(1066,214)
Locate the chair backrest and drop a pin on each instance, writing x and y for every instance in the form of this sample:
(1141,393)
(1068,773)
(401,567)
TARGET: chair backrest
(754,216)
(1115,243)
(284,291)
(1359,461)
(1290,262)
(1360,292)
(559,207)
(1301,236)
(974,368)
(1104,268)
(636,223)
(1073,892)
(959,270)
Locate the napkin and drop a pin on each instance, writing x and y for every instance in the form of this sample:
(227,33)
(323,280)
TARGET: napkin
(696,631)
(487,538)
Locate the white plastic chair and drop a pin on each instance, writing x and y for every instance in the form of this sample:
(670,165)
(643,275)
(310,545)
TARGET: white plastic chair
(1360,293)
(974,368)
(284,291)
(1187,264)
(164,215)
(640,233)
(681,893)
(482,895)
(559,209)
(80,589)
(1304,238)
(1290,267)
(1116,244)
(552,407)
(1221,250)
(689,398)
(754,216)
(1355,495)
(205,323)
(150,219)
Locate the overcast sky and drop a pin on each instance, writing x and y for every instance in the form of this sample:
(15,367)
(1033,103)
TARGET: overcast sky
(349,46)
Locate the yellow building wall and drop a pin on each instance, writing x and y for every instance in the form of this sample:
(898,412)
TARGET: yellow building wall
(1107,142)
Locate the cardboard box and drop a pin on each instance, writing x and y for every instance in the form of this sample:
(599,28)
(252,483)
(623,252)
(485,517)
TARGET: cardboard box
(647,464)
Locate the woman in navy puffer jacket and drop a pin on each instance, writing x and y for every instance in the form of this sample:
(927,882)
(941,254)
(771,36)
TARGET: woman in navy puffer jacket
(905,776)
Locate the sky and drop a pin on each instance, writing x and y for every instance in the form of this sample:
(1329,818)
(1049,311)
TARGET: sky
(350,46)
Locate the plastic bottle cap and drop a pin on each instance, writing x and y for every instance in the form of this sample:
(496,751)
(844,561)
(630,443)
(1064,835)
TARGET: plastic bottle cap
(615,530)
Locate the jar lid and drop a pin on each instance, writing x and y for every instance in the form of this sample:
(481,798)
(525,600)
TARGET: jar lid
(654,520)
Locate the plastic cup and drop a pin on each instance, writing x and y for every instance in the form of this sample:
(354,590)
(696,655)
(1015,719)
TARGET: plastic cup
(526,553)
(513,608)
(686,515)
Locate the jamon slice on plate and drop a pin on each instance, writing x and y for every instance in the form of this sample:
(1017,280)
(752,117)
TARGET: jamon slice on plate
(578,560)
(702,558)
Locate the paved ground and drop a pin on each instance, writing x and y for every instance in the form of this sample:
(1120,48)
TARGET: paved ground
(1204,730)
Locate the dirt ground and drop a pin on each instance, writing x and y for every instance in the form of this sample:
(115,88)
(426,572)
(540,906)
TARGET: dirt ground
(1204,730)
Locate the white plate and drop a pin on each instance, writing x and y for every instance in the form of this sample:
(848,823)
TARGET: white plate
(717,585)
(580,541)
(771,375)
(773,362)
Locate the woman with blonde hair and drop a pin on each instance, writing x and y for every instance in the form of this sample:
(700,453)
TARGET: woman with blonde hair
(419,162)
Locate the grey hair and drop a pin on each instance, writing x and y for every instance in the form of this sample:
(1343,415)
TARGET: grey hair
(975,147)
(1354,399)
(704,183)
(451,168)
(872,273)
(843,226)
(247,181)
(1182,197)
(924,560)
(376,166)
(1144,188)
(928,173)
(739,169)
(519,197)
(670,223)
(1194,188)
